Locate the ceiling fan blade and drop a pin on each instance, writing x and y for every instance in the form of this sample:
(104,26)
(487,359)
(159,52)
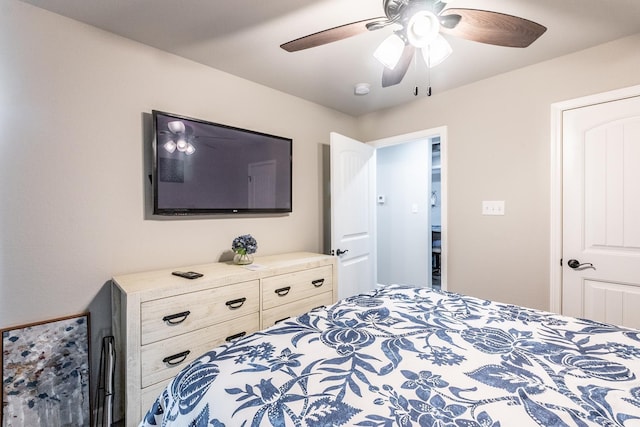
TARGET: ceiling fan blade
(331,35)
(493,28)
(395,76)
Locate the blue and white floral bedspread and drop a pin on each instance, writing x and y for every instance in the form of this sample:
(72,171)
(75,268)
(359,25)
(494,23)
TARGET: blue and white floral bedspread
(403,356)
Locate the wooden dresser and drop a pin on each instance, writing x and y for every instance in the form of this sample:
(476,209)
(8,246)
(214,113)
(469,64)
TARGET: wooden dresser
(162,322)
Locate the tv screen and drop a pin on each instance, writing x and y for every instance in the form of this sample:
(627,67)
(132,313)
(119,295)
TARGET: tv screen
(201,167)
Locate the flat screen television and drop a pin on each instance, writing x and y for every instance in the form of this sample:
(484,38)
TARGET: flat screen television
(200,167)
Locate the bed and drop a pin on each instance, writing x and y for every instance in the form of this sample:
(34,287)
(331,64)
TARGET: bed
(406,356)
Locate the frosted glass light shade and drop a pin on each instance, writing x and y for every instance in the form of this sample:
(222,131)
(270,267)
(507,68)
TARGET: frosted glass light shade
(190,149)
(390,51)
(176,126)
(436,51)
(170,146)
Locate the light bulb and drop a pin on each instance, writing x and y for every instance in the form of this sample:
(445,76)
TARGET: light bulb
(181,145)
(422,28)
(190,149)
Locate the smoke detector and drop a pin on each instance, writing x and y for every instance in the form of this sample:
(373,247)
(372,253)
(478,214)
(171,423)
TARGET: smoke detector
(361,89)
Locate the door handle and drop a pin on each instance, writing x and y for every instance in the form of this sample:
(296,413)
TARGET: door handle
(575,264)
(341,252)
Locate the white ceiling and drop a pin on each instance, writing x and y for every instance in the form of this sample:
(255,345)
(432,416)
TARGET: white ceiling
(242,37)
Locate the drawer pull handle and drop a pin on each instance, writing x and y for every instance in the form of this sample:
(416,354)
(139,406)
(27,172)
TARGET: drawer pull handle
(171,360)
(281,320)
(283,291)
(318,283)
(236,336)
(236,303)
(320,307)
(174,319)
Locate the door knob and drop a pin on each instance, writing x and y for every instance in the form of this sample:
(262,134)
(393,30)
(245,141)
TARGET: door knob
(575,264)
(341,252)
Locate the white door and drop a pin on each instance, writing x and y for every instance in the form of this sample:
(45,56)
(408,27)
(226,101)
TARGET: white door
(353,214)
(601,212)
(262,184)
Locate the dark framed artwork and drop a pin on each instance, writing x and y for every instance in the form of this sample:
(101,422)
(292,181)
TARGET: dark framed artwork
(45,373)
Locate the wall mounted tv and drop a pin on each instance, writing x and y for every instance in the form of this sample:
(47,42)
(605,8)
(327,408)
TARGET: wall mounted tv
(201,167)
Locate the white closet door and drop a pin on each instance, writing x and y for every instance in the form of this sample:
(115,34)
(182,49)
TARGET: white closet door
(601,212)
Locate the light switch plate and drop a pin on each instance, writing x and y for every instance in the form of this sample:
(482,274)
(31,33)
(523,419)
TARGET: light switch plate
(493,207)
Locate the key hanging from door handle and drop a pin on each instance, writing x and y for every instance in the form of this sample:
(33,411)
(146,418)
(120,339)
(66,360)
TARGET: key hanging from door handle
(575,264)
(341,252)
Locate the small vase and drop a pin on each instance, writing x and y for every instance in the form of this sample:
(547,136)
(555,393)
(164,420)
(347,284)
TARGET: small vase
(243,259)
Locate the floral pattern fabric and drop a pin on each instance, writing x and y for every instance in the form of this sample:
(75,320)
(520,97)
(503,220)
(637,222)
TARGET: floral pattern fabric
(405,356)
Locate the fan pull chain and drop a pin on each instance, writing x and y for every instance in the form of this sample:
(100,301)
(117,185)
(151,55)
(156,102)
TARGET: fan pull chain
(415,69)
(415,74)
(429,72)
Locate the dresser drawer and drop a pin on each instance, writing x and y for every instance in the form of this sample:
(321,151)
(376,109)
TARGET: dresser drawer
(169,317)
(285,288)
(163,359)
(277,314)
(150,394)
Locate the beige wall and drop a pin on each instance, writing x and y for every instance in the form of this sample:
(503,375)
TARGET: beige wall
(499,149)
(74,102)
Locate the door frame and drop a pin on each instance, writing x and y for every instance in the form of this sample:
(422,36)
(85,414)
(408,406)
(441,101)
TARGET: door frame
(555,252)
(440,131)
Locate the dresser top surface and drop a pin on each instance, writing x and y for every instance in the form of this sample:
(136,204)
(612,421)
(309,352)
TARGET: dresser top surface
(218,273)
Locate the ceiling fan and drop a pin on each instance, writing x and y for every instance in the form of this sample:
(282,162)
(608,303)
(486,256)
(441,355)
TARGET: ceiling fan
(422,23)
(181,137)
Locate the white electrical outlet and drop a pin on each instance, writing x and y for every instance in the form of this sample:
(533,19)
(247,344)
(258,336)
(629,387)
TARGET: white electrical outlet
(493,207)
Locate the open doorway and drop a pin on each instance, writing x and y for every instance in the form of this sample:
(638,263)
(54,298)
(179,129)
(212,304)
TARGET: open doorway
(421,254)
(435,201)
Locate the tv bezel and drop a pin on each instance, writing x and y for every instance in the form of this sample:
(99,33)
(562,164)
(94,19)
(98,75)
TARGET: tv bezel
(212,211)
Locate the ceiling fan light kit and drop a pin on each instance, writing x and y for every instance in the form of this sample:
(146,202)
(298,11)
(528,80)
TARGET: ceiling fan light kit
(179,133)
(422,22)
